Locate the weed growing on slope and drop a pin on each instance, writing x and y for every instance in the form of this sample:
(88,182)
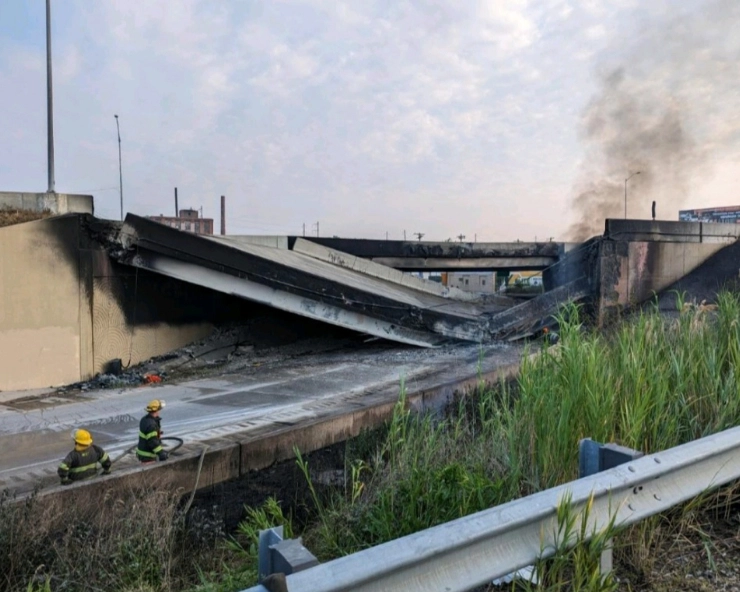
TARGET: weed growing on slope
(651,383)
(122,541)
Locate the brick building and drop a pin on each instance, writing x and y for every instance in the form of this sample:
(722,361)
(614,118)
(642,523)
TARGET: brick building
(188,221)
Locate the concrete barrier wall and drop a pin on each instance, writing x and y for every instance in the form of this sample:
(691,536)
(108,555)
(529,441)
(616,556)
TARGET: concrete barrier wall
(671,231)
(633,272)
(66,311)
(56,203)
(41,304)
(123,323)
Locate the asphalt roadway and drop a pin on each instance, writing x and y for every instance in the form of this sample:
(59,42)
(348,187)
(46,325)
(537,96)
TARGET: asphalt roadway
(35,432)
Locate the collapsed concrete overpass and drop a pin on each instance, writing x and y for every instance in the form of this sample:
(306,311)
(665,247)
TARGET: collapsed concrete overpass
(97,292)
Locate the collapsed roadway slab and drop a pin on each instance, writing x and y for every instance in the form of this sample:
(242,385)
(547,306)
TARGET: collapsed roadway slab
(304,285)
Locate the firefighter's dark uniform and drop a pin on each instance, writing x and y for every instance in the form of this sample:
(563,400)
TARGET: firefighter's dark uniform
(82,463)
(150,445)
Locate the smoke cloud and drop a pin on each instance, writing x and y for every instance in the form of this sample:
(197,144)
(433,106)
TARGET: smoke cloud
(659,116)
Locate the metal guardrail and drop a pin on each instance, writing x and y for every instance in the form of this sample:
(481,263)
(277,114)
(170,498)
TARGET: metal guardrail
(476,549)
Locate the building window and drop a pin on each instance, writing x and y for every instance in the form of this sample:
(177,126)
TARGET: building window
(483,282)
(467,282)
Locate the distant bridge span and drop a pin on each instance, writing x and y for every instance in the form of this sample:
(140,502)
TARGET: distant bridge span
(434,256)
(449,256)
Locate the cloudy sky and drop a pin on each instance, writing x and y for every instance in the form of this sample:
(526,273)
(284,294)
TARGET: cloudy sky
(500,119)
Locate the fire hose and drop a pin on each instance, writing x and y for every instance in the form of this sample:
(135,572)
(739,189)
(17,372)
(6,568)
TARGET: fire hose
(132,448)
(179,443)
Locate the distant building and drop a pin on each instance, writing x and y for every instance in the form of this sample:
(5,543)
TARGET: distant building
(479,282)
(728,214)
(188,221)
(525,278)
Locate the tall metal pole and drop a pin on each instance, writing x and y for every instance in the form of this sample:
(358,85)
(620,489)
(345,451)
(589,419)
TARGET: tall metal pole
(120,169)
(49,102)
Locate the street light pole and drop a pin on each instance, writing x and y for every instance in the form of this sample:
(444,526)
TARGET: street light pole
(49,103)
(625,192)
(120,170)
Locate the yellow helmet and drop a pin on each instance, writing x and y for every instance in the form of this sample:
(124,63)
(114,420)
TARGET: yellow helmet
(155,405)
(82,437)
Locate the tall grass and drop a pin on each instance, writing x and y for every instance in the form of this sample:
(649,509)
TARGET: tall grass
(125,541)
(652,383)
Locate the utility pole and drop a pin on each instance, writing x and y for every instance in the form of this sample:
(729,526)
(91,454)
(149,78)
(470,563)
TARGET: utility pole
(49,103)
(419,235)
(223,214)
(386,235)
(177,211)
(404,235)
(304,229)
(120,170)
(317,229)
(461,237)
(475,239)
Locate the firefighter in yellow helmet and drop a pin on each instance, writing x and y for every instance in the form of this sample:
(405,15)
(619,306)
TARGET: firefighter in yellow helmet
(82,462)
(150,433)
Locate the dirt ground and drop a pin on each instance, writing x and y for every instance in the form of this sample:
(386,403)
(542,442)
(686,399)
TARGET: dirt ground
(10,216)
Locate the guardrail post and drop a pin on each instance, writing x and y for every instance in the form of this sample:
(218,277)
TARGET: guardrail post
(594,458)
(281,556)
(267,538)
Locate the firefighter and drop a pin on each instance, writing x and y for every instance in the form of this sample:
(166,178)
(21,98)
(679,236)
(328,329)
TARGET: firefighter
(82,462)
(150,434)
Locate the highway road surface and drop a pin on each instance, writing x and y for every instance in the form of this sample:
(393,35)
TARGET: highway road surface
(35,433)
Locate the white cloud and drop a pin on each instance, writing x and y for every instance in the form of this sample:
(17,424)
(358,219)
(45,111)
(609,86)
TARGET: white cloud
(370,116)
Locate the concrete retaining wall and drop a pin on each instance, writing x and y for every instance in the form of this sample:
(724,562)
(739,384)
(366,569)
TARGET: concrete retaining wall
(42,306)
(670,231)
(66,311)
(634,272)
(56,203)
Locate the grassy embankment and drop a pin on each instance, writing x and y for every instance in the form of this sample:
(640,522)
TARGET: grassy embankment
(650,384)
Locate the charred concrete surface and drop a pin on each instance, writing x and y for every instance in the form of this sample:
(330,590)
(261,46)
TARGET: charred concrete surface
(246,422)
(720,271)
(670,231)
(529,318)
(639,259)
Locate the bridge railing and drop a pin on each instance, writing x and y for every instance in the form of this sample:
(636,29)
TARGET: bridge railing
(476,549)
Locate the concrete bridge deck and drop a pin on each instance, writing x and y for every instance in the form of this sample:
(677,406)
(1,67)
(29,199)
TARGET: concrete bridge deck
(247,421)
